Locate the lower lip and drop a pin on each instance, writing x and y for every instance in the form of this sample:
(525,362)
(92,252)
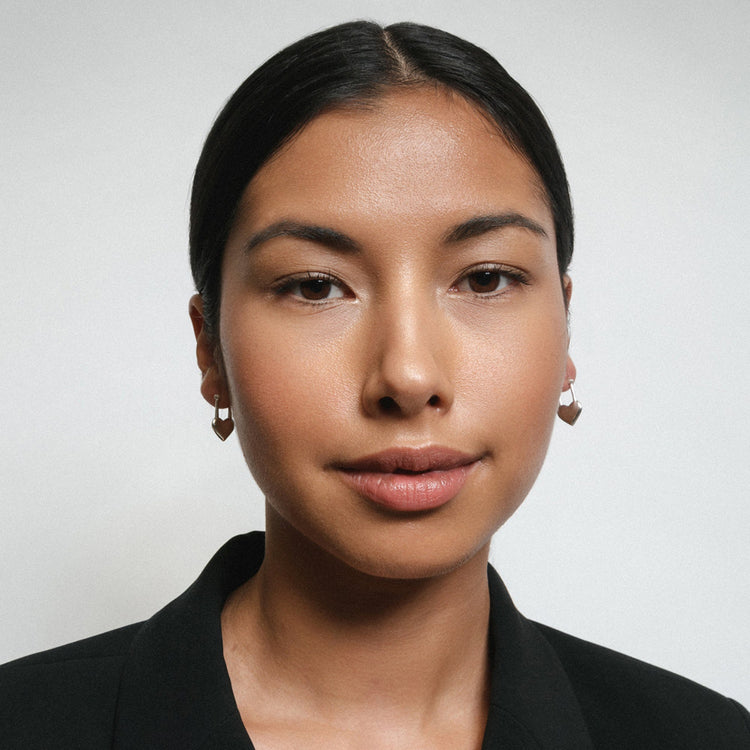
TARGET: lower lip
(409,492)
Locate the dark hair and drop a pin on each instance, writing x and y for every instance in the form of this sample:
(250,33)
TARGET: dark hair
(350,64)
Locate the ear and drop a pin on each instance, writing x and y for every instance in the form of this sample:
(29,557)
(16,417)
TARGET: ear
(570,373)
(570,368)
(208,355)
(567,285)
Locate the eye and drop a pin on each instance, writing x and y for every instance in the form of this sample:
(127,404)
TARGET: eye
(312,288)
(318,289)
(483,282)
(488,280)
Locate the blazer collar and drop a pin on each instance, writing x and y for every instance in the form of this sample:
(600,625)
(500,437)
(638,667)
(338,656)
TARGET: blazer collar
(532,703)
(175,691)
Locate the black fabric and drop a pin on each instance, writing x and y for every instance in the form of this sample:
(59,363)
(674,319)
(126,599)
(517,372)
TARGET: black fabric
(163,684)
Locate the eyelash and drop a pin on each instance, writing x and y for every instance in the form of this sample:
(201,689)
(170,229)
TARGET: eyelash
(514,276)
(286,287)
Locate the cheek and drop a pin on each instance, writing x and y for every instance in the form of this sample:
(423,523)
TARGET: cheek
(520,359)
(285,390)
(512,387)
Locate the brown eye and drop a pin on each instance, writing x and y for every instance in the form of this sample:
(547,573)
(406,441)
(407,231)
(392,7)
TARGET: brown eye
(487,281)
(315,289)
(484,281)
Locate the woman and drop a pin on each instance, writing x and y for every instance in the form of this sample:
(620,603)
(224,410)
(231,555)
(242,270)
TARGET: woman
(380,235)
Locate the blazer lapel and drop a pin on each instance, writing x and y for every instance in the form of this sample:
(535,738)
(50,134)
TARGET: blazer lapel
(532,704)
(175,692)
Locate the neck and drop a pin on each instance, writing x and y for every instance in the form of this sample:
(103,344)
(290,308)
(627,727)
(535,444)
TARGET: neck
(393,647)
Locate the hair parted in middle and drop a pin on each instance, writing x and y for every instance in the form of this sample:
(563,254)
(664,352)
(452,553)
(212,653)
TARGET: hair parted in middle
(352,65)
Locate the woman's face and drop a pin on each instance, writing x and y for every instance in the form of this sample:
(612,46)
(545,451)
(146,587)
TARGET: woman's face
(393,332)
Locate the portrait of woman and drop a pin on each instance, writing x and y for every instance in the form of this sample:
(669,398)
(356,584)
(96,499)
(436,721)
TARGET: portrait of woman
(384,319)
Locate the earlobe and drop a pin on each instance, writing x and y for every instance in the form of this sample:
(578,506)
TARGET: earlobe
(570,412)
(570,373)
(208,356)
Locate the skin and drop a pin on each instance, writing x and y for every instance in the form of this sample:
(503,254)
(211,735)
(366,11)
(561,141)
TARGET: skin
(406,339)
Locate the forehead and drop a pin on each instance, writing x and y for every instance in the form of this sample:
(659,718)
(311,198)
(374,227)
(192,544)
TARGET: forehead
(412,154)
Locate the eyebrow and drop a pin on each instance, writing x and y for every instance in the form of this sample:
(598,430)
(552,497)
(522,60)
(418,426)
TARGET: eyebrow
(313,233)
(328,237)
(479,225)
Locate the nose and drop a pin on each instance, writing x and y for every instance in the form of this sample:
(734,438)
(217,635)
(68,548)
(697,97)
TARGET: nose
(408,364)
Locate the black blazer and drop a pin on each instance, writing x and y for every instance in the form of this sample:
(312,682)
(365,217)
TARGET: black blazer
(162,684)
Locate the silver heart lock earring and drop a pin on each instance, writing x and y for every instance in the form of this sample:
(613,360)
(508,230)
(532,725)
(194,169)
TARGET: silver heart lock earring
(569,413)
(222,427)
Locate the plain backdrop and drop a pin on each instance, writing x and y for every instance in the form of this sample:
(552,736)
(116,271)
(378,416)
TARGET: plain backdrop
(114,490)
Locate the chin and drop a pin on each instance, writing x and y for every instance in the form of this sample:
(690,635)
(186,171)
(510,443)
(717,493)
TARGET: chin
(408,552)
(414,569)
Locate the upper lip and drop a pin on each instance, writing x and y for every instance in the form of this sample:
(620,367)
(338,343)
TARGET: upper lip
(414,460)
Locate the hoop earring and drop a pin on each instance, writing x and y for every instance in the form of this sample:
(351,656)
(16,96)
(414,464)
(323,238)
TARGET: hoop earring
(569,413)
(222,427)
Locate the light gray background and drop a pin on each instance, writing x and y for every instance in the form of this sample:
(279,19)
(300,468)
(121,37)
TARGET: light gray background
(114,490)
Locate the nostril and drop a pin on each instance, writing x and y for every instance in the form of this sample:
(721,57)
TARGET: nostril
(388,405)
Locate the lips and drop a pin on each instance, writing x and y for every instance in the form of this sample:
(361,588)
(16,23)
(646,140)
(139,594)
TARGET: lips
(409,479)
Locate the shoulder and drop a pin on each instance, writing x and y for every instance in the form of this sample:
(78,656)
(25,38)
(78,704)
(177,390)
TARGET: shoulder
(64,697)
(622,697)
